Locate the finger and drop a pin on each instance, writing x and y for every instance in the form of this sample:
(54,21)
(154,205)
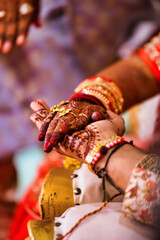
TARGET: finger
(26,13)
(53,135)
(49,132)
(23,26)
(39,105)
(45,125)
(2,17)
(37,120)
(10,26)
(118,122)
(41,108)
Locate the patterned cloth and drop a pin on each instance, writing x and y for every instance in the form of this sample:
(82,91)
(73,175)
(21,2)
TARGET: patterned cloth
(142,197)
(77,39)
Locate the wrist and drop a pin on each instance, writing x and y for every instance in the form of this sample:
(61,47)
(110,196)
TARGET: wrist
(121,164)
(102,91)
(100,149)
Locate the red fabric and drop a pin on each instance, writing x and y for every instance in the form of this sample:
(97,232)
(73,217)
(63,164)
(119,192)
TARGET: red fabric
(18,229)
(28,208)
(150,64)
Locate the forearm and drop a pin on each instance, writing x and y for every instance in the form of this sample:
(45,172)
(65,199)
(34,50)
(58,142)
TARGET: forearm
(134,78)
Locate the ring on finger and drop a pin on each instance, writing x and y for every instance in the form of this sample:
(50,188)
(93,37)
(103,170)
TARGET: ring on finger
(73,114)
(64,111)
(2,14)
(26,8)
(82,114)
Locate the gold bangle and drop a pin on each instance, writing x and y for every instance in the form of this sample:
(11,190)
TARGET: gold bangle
(103,99)
(107,88)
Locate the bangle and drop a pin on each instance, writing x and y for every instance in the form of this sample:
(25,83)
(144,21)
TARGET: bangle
(150,55)
(77,96)
(104,90)
(103,172)
(101,149)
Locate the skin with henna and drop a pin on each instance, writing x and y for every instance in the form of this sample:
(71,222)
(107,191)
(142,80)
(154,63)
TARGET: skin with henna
(14,26)
(133,78)
(78,144)
(80,114)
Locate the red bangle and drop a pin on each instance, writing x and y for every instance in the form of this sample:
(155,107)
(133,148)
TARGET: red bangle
(80,95)
(154,68)
(150,55)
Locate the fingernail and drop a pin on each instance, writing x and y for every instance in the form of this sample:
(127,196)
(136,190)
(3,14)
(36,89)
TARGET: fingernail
(6,47)
(64,129)
(41,136)
(20,40)
(52,141)
(97,116)
(46,147)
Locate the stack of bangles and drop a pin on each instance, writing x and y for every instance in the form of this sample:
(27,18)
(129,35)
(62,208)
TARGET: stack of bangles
(102,91)
(102,148)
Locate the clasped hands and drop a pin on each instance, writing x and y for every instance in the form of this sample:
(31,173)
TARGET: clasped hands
(15,19)
(74,128)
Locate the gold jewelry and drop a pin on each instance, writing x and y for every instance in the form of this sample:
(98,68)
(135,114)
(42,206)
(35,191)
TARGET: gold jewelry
(26,8)
(55,108)
(100,96)
(82,114)
(64,111)
(2,13)
(73,114)
(96,153)
(105,90)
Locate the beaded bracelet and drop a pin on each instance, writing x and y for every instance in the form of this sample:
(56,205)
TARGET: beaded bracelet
(150,55)
(101,149)
(103,172)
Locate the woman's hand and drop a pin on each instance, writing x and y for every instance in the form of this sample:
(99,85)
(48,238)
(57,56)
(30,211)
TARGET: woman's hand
(70,117)
(15,19)
(79,143)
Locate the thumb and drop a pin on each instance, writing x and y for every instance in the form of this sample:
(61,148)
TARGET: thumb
(117,121)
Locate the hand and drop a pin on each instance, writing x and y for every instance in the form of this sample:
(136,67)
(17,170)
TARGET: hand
(71,117)
(79,143)
(15,20)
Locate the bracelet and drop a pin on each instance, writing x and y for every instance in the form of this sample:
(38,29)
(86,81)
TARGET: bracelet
(103,172)
(101,149)
(103,90)
(150,55)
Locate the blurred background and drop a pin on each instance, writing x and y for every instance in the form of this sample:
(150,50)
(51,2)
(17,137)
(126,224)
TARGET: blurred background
(76,40)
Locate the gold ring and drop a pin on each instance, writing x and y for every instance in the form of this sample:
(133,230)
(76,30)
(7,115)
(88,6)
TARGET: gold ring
(63,112)
(55,108)
(2,13)
(82,114)
(26,8)
(73,114)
